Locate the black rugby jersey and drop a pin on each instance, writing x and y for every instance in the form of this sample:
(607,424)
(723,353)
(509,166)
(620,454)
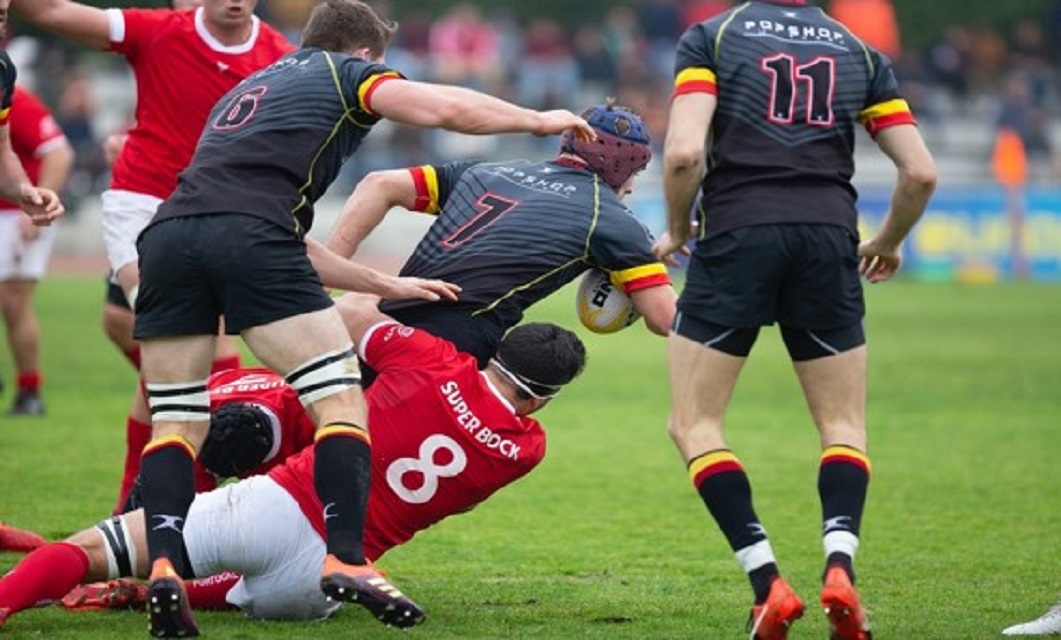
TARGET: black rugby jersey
(792,83)
(274,143)
(511,233)
(8,75)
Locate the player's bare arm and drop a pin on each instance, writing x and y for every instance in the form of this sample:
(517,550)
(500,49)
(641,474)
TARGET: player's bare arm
(366,207)
(657,305)
(79,22)
(42,205)
(337,272)
(468,111)
(683,165)
(881,254)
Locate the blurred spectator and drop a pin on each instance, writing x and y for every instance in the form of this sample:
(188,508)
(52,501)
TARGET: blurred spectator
(548,76)
(409,51)
(465,49)
(699,10)
(626,44)
(596,67)
(1019,113)
(75,113)
(1028,54)
(987,61)
(661,24)
(289,17)
(873,21)
(948,60)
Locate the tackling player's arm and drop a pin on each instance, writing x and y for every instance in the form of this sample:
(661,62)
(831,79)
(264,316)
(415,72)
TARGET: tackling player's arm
(336,272)
(375,195)
(82,23)
(468,111)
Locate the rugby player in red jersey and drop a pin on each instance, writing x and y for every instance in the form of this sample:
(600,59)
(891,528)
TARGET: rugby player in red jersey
(183,61)
(46,156)
(446,436)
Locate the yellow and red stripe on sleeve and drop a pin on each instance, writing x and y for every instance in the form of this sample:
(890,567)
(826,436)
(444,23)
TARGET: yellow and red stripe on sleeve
(712,463)
(695,80)
(426,180)
(365,90)
(643,277)
(840,453)
(886,114)
(5,116)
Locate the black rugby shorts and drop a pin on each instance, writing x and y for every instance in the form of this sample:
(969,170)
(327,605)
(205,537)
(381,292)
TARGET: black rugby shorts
(803,276)
(197,268)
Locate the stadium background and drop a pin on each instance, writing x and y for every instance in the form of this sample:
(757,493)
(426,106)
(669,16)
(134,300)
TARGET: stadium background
(972,69)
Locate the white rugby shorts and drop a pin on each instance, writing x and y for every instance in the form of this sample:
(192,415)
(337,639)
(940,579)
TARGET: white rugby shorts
(125,214)
(255,528)
(21,260)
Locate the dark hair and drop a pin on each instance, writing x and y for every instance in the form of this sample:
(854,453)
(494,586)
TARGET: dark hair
(344,25)
(240,438)
(542,356)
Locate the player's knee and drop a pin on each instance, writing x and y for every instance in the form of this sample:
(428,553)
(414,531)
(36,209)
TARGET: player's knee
(735,341)
(805,344)
(325,376)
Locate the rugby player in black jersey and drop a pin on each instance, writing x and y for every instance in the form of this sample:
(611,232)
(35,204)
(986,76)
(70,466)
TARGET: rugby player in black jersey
(510,233)
(779,87)
(231,240)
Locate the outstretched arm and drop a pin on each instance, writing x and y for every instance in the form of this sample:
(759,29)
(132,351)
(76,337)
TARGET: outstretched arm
(337,272)
(79,22)
(375,195)
(468,111)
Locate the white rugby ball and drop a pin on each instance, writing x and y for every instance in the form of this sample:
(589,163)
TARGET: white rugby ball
(602,305)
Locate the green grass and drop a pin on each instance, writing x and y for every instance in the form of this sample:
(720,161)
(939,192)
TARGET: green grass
(607,539)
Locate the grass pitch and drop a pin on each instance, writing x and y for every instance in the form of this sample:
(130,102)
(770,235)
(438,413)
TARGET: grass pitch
(606,539)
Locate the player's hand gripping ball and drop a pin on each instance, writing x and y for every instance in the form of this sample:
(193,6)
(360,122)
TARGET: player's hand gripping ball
(602,305)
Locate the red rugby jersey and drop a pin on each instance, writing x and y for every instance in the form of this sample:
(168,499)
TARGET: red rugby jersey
(443,439)
(181,71)
(33,133)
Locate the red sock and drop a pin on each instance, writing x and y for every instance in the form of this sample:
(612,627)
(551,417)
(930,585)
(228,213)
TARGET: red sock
(29,381)
(48,573)
(225,363)
(209,592)
(133,355)
(137,434)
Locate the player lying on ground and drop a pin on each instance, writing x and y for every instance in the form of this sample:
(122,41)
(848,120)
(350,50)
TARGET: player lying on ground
(429,403)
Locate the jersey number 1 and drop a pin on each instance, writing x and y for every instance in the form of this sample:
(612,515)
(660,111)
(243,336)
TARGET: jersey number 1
(818,75)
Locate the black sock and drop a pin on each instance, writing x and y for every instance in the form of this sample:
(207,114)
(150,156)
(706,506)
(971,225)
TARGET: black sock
(723,485)
(843,481)
(341,474)
(167,477)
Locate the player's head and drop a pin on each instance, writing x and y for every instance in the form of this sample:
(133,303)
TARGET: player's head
(241,437)
(622,148)
(226,15)
(348,26)
(539,358)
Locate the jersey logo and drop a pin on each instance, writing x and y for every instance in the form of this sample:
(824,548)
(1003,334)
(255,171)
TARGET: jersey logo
(169,522)
(221,66)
